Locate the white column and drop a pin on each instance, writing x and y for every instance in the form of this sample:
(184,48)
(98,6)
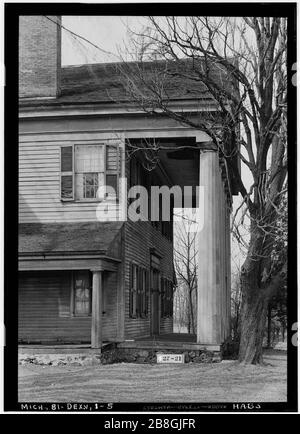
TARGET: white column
(228,254)
(209,255)
(97,307)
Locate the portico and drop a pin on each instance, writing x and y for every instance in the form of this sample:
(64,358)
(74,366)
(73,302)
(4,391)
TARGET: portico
(197,163)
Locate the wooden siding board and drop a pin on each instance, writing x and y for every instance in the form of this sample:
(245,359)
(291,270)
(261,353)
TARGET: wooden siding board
(39,178)
(139,238)
(43,295)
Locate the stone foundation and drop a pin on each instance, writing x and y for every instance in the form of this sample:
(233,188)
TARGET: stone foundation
(117,355)
(60,359)
(133,355)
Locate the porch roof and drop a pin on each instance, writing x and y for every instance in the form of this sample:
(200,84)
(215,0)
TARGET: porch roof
(67,238)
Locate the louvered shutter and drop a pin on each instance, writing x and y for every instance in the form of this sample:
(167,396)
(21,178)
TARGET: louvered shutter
(162,297)
(113,167)
(67,175)
(146,292)
(131,291)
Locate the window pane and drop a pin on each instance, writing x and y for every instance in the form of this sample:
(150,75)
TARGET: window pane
(89,158)
(90,185)
(82,294)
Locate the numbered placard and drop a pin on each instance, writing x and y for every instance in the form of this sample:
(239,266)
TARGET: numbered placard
(170,358)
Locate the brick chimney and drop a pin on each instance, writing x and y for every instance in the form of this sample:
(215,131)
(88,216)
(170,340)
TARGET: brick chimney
(39,56)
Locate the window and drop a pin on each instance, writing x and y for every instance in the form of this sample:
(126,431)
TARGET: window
(82,293)
(166,298)
(139,292)
(85,168)
(89,170)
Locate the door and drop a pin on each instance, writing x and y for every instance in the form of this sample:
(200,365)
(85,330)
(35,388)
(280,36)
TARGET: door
(155,301)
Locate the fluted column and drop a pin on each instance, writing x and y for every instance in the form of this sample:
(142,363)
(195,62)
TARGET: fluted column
(209,258)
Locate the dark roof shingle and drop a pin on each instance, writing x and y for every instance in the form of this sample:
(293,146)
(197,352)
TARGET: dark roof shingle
(43,238)
(106,82)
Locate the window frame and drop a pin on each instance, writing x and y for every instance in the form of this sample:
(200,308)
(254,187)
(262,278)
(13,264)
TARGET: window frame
(73,312)
(117,172)
(87,199)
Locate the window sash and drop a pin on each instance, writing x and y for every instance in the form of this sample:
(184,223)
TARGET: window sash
(90,185)
(89,158)
(82,294)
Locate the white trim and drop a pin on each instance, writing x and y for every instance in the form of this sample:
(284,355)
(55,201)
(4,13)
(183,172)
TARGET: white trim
(193,106)
(169,132)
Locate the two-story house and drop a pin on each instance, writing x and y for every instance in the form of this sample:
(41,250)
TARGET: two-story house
(84,275)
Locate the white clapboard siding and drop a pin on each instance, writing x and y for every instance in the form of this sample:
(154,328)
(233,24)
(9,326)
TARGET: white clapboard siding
(45,314)
(39,186)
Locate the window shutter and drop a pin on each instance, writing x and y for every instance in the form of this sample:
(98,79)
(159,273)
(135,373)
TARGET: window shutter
(131,291)
(143,292)
(67,177)
(171,299)
(113,166)
(162,297)
(146,292)
(112,158)
(168,298)
(140,291)
(112,181)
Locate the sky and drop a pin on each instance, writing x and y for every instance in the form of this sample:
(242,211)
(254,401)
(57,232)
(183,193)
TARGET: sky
(110,33)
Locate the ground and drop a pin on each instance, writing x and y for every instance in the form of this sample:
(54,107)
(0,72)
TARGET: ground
(124,382)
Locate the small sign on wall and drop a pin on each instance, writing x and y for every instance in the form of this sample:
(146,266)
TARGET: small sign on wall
(170,358)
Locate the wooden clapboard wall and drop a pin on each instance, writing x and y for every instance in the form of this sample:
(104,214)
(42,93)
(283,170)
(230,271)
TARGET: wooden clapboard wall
(44,309)
(39,181)
(139,238)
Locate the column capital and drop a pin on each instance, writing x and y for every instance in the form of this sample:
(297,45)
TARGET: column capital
(208,147)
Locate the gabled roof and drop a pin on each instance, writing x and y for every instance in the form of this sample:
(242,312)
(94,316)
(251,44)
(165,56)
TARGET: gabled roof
(62,238)
(106,82)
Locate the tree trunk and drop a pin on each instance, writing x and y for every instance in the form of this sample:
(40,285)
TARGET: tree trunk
(192,328)
(269,341)
(253,319)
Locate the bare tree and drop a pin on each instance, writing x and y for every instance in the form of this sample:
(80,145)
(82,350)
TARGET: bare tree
(241,62)
(185,261)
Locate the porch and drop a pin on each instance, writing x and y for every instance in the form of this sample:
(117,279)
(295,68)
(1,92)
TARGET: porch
(169,341)
(140,350)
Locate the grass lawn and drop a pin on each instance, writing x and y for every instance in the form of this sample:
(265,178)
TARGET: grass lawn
(128,382)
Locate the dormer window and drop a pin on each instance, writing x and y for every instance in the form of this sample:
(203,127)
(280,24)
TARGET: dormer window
(85,168)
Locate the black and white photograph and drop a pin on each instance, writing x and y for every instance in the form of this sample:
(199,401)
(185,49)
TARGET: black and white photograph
(150,227)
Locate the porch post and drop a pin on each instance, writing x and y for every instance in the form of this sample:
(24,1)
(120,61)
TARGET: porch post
(97,307)
(209,246)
